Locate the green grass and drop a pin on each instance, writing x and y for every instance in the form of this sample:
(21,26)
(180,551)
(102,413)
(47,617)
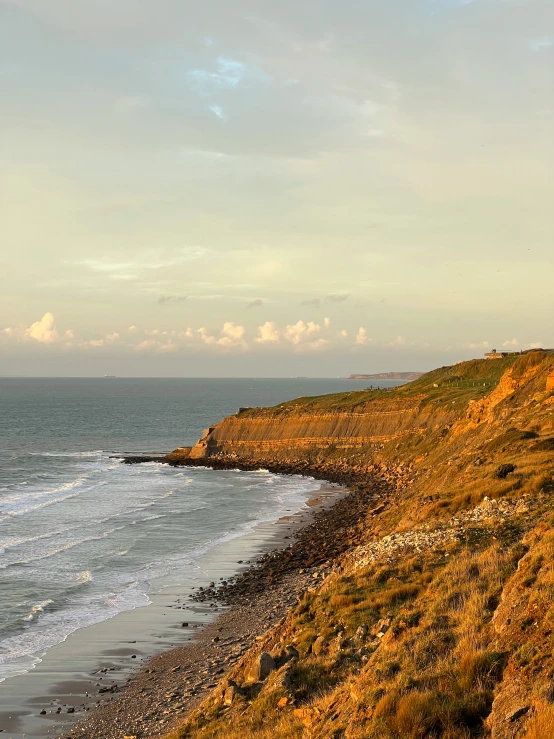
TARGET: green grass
(455,385)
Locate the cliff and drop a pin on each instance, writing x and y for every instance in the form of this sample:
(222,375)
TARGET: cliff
(440,621)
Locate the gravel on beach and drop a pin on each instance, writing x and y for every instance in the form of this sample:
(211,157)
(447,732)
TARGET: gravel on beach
(158,696)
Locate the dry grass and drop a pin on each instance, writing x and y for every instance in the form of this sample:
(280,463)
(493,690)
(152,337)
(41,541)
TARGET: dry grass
(434,673)
(541,725)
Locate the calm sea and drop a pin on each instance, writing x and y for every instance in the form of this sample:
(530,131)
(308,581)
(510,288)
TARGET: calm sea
(83,537)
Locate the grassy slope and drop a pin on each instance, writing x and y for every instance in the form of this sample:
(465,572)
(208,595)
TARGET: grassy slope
(462,382)
(469,620)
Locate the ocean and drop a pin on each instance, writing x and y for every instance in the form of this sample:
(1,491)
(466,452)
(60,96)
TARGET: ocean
(83,537)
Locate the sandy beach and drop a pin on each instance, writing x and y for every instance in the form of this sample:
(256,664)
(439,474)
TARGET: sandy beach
(137,672)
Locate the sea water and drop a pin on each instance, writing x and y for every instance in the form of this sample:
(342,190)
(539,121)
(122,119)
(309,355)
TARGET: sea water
(84,537)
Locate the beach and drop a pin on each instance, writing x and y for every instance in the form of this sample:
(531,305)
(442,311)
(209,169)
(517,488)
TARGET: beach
(301,550)
(139,671)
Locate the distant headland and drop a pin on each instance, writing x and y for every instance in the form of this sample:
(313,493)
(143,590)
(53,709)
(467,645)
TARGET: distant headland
(388,376)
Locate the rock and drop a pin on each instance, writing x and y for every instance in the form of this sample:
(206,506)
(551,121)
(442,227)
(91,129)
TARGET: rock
(362,632)
(383,627)
(291,652)
(518,713)
(319,645)
(260,668)
(231,692)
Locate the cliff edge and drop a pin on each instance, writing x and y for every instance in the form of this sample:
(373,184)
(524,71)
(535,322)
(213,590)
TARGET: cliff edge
(440,623)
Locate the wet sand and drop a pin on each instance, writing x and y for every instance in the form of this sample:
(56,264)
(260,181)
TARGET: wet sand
(98,666)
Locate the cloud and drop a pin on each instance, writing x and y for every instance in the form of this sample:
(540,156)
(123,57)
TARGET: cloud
(511,343)
(157,347)
(44,331)
(228,75)
(362,339)
(205,336)
(326,322)
(342,334)
(300,332)
(232,335)
(268,333)
(312,303)
(255,303)
(132,329)
(337,298)
(535,345)
(218,111)
(148,260)
(399,341)
(166,299)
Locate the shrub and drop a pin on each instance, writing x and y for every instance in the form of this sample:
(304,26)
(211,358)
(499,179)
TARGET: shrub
(503,470)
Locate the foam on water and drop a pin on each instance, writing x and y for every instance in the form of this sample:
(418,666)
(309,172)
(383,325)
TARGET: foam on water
(67,570)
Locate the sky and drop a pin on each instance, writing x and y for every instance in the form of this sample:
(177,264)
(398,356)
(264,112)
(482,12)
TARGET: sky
(254,188)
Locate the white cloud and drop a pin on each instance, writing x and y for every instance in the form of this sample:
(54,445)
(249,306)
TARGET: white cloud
(326,322)
(205,336)
(362,339)
(44,331)
(511,342)
(343,334)
(268,333)
(301,332)
(232,335)
(132,329)
(535,345)
(399,341)
(218,111)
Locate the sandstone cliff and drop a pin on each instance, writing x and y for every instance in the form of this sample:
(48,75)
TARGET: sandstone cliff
(440,623)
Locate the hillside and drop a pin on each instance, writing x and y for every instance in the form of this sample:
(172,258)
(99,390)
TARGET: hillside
(408,376)
(440,621)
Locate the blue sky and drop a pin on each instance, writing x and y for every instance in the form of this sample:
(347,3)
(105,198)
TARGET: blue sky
(189,186)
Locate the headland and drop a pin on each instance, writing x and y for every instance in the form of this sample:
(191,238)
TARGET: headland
(422,603)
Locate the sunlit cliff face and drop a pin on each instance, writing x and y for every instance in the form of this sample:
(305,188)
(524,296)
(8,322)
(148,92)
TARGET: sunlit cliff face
(301,188)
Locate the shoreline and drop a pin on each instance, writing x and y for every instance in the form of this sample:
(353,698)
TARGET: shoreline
(156,698)
(65,693)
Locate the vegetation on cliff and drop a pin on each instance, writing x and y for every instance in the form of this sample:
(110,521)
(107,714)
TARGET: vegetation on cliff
(441,622)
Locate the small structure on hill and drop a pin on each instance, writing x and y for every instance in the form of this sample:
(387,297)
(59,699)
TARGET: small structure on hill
(500,355)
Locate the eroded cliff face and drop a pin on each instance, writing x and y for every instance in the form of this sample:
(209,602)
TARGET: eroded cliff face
(408,424)
(441,623)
